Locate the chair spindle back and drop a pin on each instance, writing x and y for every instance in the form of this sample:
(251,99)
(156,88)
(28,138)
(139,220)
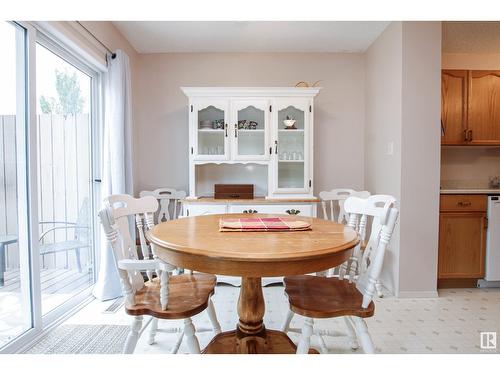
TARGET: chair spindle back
(380,208)
(333,201)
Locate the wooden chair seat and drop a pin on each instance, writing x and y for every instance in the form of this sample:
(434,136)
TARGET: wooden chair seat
(325,297)
(188,295)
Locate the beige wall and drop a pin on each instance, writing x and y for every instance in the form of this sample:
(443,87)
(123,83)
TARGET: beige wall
(420,158)
(479,61)
(403,109)
(469,167)
(383,125)
(162,111)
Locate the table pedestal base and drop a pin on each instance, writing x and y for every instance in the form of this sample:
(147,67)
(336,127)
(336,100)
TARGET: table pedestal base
(267,342)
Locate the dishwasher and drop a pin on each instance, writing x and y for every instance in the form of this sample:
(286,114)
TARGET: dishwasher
(492,266)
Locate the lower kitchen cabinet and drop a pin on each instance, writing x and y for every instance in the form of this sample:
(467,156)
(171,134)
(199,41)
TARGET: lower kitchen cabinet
(462,237)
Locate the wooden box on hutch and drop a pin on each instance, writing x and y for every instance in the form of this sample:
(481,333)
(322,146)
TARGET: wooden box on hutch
(233,191)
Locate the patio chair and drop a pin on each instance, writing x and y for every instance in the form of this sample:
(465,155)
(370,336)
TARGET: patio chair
(81,239)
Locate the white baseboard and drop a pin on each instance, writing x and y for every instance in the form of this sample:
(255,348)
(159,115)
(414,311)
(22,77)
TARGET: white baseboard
(418,294)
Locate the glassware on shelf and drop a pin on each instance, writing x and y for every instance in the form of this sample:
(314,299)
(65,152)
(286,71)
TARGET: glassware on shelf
(300,155)
(294,155)
(205,124)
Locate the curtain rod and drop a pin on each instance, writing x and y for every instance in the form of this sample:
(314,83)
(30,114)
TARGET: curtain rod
(113,55)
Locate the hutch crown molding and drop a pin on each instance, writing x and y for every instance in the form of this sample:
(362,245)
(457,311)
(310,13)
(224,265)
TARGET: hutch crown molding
(258,135)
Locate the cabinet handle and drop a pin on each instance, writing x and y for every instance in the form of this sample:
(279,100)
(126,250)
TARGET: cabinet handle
(466,137)
(225,126)
(235,130)
(250,211)
(276,147)
(293,212)
(464,204)
(470,135)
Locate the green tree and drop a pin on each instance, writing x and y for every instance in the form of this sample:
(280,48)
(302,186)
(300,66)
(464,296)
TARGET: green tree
(70,100)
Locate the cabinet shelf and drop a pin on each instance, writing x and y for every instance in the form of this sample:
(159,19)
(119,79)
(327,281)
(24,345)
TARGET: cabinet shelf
(250,130)
(291,130)
(211,130)
(291,161)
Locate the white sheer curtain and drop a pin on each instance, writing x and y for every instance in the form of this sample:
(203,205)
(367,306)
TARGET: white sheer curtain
(117,161)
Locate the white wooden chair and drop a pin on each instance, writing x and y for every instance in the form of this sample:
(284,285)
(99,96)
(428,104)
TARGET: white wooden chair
(333,202)
(163,297)
(348,298)
(169,200)
(351,267)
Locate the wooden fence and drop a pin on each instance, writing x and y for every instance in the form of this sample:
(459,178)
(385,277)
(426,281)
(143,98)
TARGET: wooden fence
(64,180)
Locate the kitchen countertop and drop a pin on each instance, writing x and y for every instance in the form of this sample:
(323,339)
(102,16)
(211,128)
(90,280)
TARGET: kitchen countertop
(470,191)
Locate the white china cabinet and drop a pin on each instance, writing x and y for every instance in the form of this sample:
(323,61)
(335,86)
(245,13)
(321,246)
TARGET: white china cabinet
(254,135)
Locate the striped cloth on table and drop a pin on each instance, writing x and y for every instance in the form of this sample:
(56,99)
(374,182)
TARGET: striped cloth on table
(265,224)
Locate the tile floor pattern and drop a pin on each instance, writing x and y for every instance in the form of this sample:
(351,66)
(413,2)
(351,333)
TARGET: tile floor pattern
(449,324)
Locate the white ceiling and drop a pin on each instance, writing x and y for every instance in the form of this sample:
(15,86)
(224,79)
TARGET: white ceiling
(250,36)
(471,37)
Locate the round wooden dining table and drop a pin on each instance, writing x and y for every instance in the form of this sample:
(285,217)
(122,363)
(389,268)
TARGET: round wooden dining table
(196,243)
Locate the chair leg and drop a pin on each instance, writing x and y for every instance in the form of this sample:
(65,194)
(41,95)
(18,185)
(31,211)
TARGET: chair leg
(133,335)
(305,338)
(351,333)
(286,324)
(378,288)
(364,337)
(213,317)
(190,333)
(152,331)
(178,343)
(322,344)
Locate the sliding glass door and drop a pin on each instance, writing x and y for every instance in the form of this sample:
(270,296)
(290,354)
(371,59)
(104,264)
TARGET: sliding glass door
(49,126)
(64,109)
(16,315)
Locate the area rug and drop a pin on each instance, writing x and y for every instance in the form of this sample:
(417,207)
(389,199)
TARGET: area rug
(82,339)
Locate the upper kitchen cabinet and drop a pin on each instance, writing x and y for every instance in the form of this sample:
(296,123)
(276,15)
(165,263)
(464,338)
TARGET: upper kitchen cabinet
(470,107)
(453,106)
(484,107)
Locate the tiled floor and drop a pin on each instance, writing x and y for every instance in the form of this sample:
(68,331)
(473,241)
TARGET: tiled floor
(449,324)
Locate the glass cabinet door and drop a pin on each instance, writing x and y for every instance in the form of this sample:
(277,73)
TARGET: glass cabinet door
(250,129)
(291,146)
(211,129)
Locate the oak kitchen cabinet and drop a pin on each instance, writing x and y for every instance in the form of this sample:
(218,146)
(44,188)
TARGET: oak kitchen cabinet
(462,236)
(470,107)
(454,106)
